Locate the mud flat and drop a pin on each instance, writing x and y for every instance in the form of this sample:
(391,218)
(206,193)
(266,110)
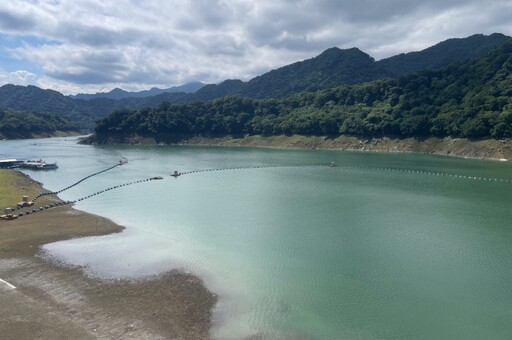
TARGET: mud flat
(54,301)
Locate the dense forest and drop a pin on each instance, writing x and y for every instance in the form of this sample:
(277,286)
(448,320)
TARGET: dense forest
(334,67)
(19,124)
(470,99)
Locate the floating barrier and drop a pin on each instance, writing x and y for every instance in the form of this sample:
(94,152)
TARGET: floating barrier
(177,174)
(33,210)
(430,173)
(421,172)
(58,204)
(76,183)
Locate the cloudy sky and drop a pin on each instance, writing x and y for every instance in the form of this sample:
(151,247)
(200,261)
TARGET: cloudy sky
(95,45)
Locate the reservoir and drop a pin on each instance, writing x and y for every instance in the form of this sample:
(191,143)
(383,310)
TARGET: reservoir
(379,246)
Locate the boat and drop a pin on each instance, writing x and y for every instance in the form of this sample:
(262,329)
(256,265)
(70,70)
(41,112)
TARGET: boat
(38,165)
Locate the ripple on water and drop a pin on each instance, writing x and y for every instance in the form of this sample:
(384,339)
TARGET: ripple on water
(382,246)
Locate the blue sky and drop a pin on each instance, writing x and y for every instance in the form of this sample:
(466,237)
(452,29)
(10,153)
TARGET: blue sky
(93,45)
(9,62)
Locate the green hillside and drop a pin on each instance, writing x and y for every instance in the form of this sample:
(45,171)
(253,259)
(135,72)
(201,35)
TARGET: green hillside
(335,67)
(19,124)
(471,99)
(443,54)
(331,69)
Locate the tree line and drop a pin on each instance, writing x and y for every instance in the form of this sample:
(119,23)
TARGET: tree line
(471,99)
(24,124)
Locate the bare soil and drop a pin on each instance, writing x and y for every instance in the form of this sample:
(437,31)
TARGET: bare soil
(53,301)
(457,147)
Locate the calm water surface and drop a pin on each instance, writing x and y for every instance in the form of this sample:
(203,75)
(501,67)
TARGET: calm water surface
(383,246)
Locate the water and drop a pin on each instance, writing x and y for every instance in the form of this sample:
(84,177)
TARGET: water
(383,246)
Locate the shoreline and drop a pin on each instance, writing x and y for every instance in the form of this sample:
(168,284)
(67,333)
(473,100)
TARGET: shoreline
(488,149)
(41,135)
(53,300)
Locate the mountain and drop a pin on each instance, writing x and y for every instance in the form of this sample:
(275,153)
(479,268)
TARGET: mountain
(336,67)
(471,99)
(32,98)
(228,87)
(118,93)
(333,67)
(80,111)
(443,54)
(18,124)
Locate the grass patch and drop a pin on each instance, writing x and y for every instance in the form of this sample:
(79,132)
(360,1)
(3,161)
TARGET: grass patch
(13,185)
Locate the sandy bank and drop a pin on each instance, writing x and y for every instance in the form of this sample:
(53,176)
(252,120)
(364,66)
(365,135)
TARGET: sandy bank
(457,147)
(57,302)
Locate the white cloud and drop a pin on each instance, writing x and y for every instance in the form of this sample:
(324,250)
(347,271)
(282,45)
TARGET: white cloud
(84,45)
(17,77)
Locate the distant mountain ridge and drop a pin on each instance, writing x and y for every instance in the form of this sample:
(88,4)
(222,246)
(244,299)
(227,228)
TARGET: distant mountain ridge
(470,99)
(22,124)
(336,67)
(118,93)
(332,68)
(443,54)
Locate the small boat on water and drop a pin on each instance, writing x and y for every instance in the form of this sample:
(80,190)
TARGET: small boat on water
(38,165)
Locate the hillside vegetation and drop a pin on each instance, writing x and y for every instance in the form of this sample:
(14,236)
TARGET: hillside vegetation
(18,124)
(472,99)
(336,67)
(332,68)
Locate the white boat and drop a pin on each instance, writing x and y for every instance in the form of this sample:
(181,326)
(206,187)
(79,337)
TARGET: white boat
(38,165)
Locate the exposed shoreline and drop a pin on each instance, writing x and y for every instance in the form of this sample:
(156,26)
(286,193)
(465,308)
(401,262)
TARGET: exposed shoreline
(57,301)
(41,135)
(490,149)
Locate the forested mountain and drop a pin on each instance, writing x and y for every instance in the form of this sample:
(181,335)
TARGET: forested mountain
(121,94)
(226,88)
(18,124)
(471,99)
(32,98)
(443,54)
(334,67)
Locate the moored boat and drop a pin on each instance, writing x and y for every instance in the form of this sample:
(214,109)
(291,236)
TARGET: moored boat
(38,165)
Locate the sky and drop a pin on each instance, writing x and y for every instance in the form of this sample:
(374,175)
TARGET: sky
(88,46)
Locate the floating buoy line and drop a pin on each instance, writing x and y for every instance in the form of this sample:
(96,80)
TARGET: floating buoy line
(412,171)
(76,183)
(176,174)
(30,204)
(432,173)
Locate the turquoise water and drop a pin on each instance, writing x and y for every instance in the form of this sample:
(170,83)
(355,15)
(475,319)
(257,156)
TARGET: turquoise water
(383,246)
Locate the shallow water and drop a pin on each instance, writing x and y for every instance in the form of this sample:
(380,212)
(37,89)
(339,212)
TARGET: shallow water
(381,246)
